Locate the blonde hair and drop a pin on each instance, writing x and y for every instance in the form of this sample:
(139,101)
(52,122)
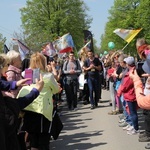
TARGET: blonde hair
(122,57)
(116,54)
(12,54)
(4,60)
(38,60)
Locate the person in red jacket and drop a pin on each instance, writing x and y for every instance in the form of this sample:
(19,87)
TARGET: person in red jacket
(127,89)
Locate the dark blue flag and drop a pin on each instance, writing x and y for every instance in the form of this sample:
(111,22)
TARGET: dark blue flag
(88,37)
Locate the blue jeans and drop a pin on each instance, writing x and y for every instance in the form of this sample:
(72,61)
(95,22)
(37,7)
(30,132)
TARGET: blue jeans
(93,84)
(133,114)
(127,116)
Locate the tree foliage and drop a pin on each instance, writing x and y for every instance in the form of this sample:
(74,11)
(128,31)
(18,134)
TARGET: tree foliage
(127,14)
(2,41)
(46,20)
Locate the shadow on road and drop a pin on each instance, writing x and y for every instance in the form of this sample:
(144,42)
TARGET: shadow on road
(74,141)
(73,135)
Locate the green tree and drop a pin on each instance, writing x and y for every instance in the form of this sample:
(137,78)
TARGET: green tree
(2,41)
(46,20)
(122,15)
(143,19)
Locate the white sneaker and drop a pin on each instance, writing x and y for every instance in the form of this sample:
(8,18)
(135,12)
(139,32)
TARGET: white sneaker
(125,128)
(75,109)
(133,132)
(121,121)
(130,128)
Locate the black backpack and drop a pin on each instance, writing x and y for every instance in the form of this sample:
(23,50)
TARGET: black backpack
(77,63)
(67,64)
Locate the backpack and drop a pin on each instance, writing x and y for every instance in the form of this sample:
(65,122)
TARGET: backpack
(77,64)
(76,61)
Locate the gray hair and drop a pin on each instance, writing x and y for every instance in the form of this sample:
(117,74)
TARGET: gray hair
(12,54)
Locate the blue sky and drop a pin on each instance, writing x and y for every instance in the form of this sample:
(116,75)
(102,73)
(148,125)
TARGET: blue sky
(10,16)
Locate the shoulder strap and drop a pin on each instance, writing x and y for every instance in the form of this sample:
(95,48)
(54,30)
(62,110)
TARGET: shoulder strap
(77,63)
(12,71)
(15,73)
(66,64)
(88,61)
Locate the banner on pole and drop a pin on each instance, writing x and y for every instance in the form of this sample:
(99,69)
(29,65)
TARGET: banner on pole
(127,34)
(23,49)
(64,44)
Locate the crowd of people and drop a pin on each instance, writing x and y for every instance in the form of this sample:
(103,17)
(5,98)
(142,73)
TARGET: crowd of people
(127,80)
(28,122)
(129,88)
(27,110)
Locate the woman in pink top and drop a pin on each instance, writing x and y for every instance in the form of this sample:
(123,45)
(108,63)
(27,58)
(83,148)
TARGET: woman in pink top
(13,72)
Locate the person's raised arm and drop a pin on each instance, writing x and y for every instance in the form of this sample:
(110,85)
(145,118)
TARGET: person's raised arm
(27,99)
(142,100)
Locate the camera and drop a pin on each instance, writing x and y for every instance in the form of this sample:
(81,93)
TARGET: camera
(139,68)
(140,71)
(57,67)
(51,59)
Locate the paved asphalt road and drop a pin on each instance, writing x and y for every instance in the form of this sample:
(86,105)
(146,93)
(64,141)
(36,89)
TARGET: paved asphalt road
(87,129)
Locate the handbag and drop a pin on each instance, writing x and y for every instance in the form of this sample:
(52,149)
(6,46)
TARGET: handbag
(56,126)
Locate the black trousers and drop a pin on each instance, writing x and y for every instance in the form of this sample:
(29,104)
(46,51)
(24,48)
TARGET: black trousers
(8,137)
(101,80)
(71,87)
(147,121)
(86,92)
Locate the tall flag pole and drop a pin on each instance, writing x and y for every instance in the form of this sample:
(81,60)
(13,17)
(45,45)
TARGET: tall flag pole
(127,35)
(87,46)
(5,50)
(88,37)
(83,51)
(23,49)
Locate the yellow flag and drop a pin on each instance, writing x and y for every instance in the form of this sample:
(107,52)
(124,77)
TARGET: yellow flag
(126,34)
